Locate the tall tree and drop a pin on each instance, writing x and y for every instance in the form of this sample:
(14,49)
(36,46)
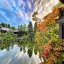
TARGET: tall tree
(2,25)
(30,31)
(35,27)
(13,28)
(8,25)
(20,27)
(24,27)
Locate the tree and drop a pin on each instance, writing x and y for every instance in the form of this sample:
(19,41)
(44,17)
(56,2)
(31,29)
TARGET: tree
(5,25)
(13,28)
(24,27)
(30,31)
(2,25)
(35,13)
(8,25)
(35,27)
(9,35)
(20,27)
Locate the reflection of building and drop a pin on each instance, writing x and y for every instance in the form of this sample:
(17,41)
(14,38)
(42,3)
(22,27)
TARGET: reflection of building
(18,32)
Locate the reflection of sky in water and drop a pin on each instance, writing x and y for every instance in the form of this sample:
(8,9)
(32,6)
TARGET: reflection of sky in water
(6,56)
(14,56)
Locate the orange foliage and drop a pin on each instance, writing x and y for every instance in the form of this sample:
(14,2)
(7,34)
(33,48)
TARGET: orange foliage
(50,18)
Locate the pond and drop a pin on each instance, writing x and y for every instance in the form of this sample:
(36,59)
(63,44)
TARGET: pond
(17,54)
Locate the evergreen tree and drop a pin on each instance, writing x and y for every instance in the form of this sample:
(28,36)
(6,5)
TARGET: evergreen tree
(20,27)
(35,27)
(2,25)
(8,25)
(13,28)
(30,31)
(24,27)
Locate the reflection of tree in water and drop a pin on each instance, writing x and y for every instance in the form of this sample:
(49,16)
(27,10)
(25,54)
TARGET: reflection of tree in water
(22,45)
(6,46)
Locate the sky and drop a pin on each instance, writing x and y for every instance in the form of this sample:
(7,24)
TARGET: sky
(17,12)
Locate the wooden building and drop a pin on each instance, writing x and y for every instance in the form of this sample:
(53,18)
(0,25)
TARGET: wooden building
(61,27)
(4,29)
(18,32)
(60,21)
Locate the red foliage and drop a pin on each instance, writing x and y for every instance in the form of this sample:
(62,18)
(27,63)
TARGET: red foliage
(47,48)
(46,51)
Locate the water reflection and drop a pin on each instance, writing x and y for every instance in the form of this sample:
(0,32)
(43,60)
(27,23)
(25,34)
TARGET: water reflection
(17,54)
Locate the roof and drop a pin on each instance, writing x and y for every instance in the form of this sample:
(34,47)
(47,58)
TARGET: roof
(4,28)
(61,20)
(17,30)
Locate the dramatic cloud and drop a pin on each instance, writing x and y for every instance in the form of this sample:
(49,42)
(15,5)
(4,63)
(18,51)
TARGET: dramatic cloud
(17,12)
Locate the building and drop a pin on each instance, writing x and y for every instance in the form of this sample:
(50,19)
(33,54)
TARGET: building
(61,27)
(60,21)
(18,32)
(4,29)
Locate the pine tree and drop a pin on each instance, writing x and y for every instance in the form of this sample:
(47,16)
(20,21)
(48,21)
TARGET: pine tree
(8,25)
(35,27)
(30,31)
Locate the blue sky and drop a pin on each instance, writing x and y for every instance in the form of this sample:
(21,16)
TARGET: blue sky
(16,12)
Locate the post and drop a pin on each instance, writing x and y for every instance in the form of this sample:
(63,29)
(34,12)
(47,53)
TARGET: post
(60,30)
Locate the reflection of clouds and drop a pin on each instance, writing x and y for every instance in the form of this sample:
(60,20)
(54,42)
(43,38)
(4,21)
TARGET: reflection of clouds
(14,56)
(2,52)
(6,56)
(23,58)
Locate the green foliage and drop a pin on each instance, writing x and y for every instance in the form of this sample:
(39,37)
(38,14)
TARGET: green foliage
(13,28)
(30,31)
(20,27)
(42,38)
(30,52)
(23,27)
(5,25)
(0,36)
(35,27)
(9,35)
(8,25)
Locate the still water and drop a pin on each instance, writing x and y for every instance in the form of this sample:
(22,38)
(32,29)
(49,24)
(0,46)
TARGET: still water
(15,56)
